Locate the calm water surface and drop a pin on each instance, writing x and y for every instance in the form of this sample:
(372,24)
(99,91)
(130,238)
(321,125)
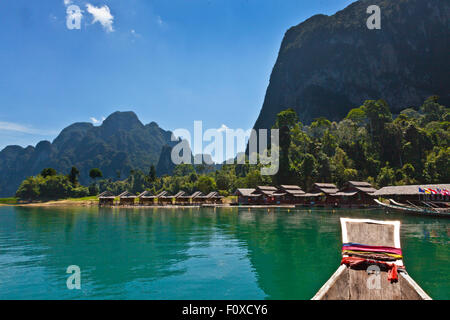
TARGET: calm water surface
(195,253)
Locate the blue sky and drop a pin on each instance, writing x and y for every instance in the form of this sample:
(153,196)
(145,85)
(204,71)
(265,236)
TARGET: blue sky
(170,61)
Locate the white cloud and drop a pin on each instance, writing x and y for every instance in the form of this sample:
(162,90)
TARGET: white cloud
(96,121)
(135,34)
(102,15)
(16,127)
(159,21)
(67,2)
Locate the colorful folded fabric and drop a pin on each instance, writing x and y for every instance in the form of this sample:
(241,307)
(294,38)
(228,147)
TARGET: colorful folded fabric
(366,248)
(380,255)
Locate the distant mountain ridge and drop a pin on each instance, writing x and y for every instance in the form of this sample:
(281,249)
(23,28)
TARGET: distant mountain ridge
(330,64)
(120,144)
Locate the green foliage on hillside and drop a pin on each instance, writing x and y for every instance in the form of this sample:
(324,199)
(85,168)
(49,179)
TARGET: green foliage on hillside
(369,144)
(50,187)
(120,144)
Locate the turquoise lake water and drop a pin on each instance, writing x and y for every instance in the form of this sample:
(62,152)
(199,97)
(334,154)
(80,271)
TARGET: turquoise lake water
(196,253)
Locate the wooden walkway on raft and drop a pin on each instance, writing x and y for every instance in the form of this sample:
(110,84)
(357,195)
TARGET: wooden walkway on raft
(352,283)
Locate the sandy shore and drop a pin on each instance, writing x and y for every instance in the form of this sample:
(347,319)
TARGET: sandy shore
(60,203)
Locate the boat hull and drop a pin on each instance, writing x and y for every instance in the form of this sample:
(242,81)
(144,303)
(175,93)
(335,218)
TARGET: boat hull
(352,284)
(370,281)
(413,211)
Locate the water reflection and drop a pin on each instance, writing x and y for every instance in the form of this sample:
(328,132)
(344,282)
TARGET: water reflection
(194,253)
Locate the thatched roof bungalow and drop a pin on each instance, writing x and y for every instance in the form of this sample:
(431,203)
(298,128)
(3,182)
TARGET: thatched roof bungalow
(210,198)
(178,194)
(247,196)
(326,188)
(216,198)
(293,194)
(265,190)
(168,199)
(269,194)
(415,193)
(106,198)
(356,193)
(146,198)
(324,194)
(161,197)
(126,199)
(188,199)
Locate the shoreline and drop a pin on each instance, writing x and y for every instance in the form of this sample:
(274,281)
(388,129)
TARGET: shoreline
(94,203)
(57,203)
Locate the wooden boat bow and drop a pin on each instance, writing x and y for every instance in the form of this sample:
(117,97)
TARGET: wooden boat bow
(355,283)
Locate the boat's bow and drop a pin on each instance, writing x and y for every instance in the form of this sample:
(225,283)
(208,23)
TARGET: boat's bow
(372,265)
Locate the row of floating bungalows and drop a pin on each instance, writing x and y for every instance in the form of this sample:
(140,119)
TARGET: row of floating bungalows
(146,198)
(352,194)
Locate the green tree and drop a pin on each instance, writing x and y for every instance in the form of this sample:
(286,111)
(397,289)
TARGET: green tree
(184,169)
(193,177)
(223,181)
(318,127)
(350,175)
(328,143)
(307,171)
(205,184)
(357,115)
(432,110)
(288,118)
(55,187)
(386,176)
(254,179)
(284,173)
(378,114)
(391,145)
(437,166)
(95,173)
(48,172)
(28,189)
(73,175)
(152,174)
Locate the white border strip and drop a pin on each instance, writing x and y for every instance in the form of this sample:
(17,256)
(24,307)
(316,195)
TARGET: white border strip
(396,225)
(416,287)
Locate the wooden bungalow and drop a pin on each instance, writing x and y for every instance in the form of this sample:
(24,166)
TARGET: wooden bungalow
(161,198)
(356,194)
(205,199)
(416,194)
(186,200)
(168,199)
(178,195)
(202,199)
(293,194)
(269,195)
(126,199)
(310,198)
(146,198)
(106,198)
(246,196)
(215,198)
(103,193)
(328,194)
